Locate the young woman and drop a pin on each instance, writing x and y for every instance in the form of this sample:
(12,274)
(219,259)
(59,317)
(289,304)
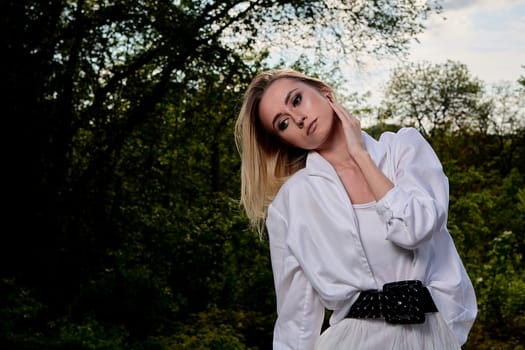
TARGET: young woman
(355,225)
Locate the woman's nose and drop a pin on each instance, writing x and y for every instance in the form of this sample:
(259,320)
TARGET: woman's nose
(300,122)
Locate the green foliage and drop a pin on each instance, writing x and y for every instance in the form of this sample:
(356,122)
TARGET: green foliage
(216,329)
(18,311)
(501,294)
(487,224)
(24,325)
(123,229)
(89,335)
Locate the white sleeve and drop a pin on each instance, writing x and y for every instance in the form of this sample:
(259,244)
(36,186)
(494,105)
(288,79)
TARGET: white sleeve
(417,205)
(300,313)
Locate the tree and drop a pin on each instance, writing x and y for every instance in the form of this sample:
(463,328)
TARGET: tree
(122,219)
(508,113)
(507,121)
(436,96)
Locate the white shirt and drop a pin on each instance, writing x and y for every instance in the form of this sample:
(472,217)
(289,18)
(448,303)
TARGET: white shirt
(321,259)
(394,263)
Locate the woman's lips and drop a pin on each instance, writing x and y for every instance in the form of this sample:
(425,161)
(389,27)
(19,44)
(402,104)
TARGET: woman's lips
(311,128)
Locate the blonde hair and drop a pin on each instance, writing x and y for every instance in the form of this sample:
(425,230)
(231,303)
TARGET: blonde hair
(266,161)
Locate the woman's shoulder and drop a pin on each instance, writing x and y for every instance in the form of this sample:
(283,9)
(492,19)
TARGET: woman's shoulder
(403,134)
(301,186)
(295,183)
(403,139)
(409,145)
(293,187)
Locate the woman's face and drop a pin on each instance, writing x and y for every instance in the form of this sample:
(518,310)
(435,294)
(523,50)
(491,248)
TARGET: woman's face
(297,112)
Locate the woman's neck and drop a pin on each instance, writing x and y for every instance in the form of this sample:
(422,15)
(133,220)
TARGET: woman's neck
(336,152)
(347,169)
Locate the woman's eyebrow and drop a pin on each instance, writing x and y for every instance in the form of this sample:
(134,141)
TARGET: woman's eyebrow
(286,100)
(288,95)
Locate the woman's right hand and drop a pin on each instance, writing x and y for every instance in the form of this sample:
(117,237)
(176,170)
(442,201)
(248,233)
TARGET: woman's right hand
(351,127)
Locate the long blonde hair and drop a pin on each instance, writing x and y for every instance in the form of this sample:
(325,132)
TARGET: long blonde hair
(266,161)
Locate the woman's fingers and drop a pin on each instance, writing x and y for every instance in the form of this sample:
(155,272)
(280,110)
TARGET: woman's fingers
(338,110)
(346,118)
(351,127)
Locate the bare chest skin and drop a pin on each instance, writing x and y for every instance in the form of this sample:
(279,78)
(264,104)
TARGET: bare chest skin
(355,184)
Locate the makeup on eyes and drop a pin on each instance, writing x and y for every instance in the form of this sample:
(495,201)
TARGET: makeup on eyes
(296,100)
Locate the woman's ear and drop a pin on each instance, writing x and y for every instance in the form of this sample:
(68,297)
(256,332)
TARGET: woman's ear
(327,94)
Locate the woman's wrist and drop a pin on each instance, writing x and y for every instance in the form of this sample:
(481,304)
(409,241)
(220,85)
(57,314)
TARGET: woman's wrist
(361,156)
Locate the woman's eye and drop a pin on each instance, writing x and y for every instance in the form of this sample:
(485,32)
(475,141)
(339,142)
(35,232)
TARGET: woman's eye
(297,99)
(282,125)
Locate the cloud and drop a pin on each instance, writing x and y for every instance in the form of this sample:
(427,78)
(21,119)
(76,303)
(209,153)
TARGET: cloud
(485,35)
(458,4)
(452,5)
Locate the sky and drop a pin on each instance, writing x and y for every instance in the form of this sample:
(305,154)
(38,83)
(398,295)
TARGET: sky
(486,35)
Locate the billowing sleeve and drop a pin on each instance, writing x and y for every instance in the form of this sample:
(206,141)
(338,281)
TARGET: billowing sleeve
(417,205)
(415,212)
(299,310)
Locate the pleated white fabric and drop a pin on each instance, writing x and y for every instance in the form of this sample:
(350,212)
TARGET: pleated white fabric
(376,334)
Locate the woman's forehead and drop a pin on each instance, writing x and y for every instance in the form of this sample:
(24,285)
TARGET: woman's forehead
(279,90)
(282,83)
(276,92)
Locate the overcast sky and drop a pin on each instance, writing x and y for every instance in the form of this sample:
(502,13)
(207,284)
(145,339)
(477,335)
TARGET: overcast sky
(486,35)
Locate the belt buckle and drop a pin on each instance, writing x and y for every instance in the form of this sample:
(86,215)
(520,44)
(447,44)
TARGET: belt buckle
(402,302)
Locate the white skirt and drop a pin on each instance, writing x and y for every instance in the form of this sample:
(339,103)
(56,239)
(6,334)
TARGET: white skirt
(372,334)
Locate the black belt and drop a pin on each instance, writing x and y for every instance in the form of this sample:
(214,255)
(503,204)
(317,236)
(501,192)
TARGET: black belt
(403,302)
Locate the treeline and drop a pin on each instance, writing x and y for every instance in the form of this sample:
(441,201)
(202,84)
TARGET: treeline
(122,228)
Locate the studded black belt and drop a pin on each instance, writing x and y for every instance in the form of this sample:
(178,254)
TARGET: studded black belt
(403,302)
